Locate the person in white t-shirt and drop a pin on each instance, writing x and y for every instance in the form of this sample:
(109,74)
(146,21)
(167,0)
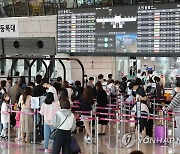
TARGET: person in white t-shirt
(51,89)
(4,115)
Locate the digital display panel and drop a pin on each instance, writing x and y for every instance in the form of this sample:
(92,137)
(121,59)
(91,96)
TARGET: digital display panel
(123,29)
(158,29)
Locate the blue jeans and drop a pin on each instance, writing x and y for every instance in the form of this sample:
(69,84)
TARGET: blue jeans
(47,132)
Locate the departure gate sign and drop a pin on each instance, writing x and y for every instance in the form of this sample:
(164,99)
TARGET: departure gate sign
(127,29)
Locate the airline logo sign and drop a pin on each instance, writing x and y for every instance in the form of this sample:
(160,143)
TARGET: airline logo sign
(9,28)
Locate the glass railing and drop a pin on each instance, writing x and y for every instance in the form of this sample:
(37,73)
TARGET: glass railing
(17,8)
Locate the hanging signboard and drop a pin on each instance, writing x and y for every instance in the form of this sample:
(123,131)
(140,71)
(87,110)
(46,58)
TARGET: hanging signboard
(34,102)
(9,28)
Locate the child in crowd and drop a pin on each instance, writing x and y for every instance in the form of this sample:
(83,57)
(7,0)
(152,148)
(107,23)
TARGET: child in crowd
(18,124)
(4,116)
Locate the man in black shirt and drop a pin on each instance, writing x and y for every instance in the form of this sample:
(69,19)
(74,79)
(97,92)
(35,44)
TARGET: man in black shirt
(38,90)
(139,91)
(58,84)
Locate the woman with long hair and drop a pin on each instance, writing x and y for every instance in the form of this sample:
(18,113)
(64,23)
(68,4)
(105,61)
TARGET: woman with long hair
(48,110)
(26,120)
(102,101)
(67,91)
(86,105)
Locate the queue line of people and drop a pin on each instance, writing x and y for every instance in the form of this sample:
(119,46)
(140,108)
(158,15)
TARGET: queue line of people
(57,104)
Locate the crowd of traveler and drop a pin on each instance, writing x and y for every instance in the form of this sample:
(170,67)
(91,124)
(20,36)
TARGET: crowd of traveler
(57,101)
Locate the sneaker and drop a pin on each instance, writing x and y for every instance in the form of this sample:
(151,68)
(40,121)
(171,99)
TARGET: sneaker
(88,139)
(46,151)
(177,143)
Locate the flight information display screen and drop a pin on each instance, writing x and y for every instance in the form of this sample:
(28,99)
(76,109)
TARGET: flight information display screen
(127,29)
(158,29)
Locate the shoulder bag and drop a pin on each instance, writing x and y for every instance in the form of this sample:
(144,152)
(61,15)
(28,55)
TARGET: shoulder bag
(53,133)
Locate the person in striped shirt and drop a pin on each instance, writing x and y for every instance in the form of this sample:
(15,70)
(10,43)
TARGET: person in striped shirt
(175,106)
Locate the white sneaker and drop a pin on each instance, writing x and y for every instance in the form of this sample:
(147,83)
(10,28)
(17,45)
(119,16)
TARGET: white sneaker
(46,151)
(177,143)
(88,138)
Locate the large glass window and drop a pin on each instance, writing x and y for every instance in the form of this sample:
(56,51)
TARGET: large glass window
(168,68)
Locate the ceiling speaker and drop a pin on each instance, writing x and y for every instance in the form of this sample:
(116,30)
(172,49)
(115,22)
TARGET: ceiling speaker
(40,44)
(16,44)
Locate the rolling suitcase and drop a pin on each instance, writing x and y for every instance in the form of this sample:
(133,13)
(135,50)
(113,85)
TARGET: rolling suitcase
(160,134)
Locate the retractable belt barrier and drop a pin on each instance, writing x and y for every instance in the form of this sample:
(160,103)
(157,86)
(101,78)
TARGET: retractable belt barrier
(119,118)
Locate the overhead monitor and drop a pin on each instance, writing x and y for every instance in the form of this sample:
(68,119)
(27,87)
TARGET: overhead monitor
(124,29)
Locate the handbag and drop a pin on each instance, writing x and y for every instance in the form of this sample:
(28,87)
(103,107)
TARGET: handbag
(53,133)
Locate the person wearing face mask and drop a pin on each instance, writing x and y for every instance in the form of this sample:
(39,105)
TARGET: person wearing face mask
(175,106)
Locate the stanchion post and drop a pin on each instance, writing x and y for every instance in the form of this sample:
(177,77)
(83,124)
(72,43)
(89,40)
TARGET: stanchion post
(109,124)
(129,129)
(121,117)
(138,115)
(117,124)
(154,106)
(9,125)
(96,131)
(165,128)
(91,123)
(34,130)
(97,142)
(173,133)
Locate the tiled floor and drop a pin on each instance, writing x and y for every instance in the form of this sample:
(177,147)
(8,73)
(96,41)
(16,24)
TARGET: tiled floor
(21,148)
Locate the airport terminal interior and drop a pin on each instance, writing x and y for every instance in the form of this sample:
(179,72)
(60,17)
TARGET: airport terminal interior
(90,76)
